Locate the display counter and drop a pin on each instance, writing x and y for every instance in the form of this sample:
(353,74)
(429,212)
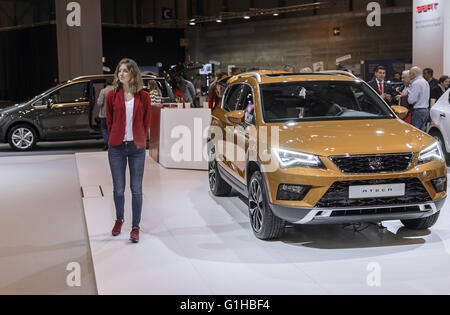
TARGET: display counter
(178,136)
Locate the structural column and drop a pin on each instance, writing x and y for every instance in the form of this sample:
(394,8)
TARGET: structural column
(79,35)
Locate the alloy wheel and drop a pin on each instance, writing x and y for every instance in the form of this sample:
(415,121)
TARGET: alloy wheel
(256,205)
(22,138)
(212,169)
(212,174)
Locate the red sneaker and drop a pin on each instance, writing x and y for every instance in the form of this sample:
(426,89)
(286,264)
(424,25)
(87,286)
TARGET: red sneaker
(134,235)
(117,228)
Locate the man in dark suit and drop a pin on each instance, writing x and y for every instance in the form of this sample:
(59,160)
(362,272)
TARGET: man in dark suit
(381,86)
(428,74)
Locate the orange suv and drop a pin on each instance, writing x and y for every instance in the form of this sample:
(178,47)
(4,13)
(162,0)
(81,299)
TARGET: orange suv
(321,148)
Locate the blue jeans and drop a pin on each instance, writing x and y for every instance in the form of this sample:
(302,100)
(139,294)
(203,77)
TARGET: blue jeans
(118,157)
(420,118)
(104,128)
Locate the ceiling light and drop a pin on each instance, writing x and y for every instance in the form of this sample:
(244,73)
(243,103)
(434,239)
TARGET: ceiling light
(246,17)
(219,21)
(192,24)
(276,14)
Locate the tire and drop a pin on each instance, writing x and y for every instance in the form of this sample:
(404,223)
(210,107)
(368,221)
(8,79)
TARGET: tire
(438,136)
(421,224)
(22,137)
(217,185)
(265,225)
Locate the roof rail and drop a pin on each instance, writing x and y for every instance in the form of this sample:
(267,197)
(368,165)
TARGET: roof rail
(254,74)
(86,77)
(348,74)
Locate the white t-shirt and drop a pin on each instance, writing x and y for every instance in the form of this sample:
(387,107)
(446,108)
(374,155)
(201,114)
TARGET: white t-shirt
(129,127)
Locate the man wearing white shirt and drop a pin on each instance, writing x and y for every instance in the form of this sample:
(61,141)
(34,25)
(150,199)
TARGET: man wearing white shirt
(419,97)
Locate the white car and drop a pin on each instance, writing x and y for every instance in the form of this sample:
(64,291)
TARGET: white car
(440,122)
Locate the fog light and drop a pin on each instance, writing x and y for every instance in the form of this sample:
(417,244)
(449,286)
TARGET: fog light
(440,184)
(292,192)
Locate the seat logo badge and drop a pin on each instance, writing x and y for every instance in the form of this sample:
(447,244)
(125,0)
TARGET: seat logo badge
(375,164)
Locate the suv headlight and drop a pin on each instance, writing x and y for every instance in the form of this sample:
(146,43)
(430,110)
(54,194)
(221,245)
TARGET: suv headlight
(288,159)
(431,153)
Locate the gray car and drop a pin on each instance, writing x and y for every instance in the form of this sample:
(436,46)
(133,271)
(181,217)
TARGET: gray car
(62,113)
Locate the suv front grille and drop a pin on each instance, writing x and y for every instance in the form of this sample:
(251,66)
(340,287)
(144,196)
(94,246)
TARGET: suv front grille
(338,194)
(372,164)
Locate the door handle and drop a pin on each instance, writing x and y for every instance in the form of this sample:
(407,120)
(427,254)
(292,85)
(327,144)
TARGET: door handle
(443,115)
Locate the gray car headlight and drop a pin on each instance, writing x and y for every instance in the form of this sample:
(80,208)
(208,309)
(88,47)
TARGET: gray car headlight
(288,159)
(431,153)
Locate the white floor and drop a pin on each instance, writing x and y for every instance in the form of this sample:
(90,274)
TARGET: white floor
(194,243)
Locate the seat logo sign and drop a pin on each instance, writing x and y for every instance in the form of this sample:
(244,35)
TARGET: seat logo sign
(375,164)
(427,7)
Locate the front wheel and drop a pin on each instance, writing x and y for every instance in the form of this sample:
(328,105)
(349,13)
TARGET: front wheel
(22,138)
(265,224)
(421,224)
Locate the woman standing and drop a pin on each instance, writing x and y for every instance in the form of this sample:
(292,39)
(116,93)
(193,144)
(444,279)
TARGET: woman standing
(128,117)
(155,92)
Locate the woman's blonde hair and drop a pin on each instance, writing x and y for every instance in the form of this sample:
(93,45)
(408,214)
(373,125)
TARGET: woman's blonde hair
(136,84)
(153,87)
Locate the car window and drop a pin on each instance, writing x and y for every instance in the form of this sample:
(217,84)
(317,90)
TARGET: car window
(321,100)
(247,104)
(78,92)
(233,97)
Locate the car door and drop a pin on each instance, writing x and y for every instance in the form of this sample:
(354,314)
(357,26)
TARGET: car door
(243,133)
(66,115)
(231,100)
(440,115)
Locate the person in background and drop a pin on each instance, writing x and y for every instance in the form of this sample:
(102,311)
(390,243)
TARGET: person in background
(440,89)
(381,86)
(419,97)
(154,91)
(289,68)
(428,74)
(215,94)
(402,98)
(128,113)
(187,88)
(397,77)
(211,80)
(101,102)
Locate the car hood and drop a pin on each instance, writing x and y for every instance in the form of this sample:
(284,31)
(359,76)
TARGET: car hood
(331,138)
(13,108)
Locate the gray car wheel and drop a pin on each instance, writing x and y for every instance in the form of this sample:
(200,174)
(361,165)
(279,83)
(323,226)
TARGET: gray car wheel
(22,138)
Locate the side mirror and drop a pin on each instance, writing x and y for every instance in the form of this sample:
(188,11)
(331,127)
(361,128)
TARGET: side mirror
(400,111)
(236,117)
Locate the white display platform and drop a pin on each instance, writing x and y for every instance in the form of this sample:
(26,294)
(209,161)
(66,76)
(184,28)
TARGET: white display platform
(195,243)
(183,138)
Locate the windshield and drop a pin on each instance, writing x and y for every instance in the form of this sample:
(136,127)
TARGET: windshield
(45,92)
(321,100)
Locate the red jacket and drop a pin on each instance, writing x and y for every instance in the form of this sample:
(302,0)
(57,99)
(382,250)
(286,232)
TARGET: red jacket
(116,117)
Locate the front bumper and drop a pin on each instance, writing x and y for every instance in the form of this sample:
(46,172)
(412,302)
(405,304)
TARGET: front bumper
(2,131)
(327,201)
(298,215)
